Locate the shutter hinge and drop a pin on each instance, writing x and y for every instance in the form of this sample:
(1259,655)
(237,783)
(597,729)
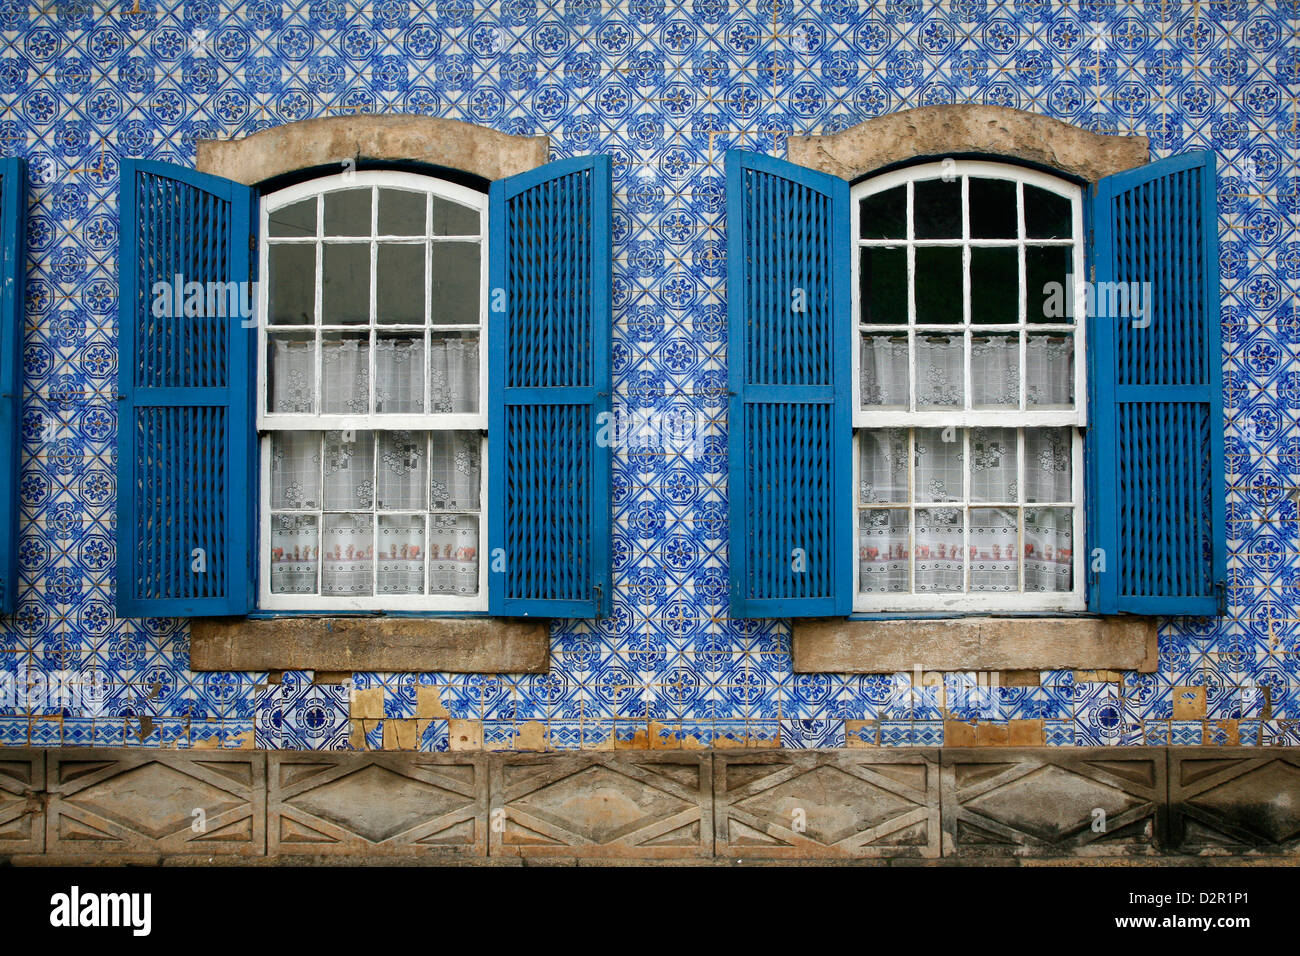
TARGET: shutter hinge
(1221,598)
(121,397)
(252,242)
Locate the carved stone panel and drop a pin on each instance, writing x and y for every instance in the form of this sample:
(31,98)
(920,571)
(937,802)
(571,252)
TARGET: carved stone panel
(22,812)
(1234,800)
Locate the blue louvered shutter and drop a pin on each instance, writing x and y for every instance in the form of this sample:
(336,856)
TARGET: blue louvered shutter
(1155,443)
(185,472)
(790,428)
(13,262)
(549,379)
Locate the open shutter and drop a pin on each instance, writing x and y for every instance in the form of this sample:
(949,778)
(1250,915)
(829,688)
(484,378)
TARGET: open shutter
(13,262)
(551,269)
(789,334)
(186,488)
(1157,490)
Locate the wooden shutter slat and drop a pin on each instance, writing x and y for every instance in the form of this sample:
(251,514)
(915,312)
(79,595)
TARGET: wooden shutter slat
(13,271)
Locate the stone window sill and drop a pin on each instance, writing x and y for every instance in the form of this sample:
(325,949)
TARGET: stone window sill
(465,645)
(849,646)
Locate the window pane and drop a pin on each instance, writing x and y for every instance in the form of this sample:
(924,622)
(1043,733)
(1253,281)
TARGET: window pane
(938,285)
(347,212)
(939,464)
(882,465)
(292,280)
(400,477)
(995,371)
(291,372)
(1049,467)
(938,209)
(884,371)
(453,372)
(1047,215)
(401,212)
(939,564)
(297,219)
(345,373)
(349,471)
(994,285)
(993,550)
(1049,549)
(453,554)
(455,283)
(1046,268)
(453,219)
(454,471)
(993,464)
(295,470)
(1049,372)
(347,564)
(295,550)
(345,283)
(884,215)
(992,209)
(882,550)
(882,282)
(940,371)
(399,290)
(399,374)
(400,560)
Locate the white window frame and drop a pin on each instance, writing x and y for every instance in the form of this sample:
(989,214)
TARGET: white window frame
(441,421)
(967,601)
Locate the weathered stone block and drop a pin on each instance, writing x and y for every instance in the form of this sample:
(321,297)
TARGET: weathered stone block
(22,811)
(1234,800)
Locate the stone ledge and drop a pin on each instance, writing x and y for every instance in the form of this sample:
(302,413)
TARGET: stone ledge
(384,644)
(975,644)
(330,140)
(965,129)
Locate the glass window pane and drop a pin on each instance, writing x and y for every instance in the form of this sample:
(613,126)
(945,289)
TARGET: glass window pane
(347,559)
(453,554)
(291,372)
(295,470)
(295,549)
(884,371)
(454,470)
(939,464)
(455,283)
(296,219)
(993,464)
(399,374)
(1049,371)
(882,465)
(399,292)
(1049,468)
(940,371)
(400,477)
(401,212)
(882,550)
(1047,215)
(882,282)
(884,215)
(347,212)
(400,559)
(992,209)
(454,372)
(349,470)
(345,283)
(938,554)
(938,285)
(938,209)
(453,219)
(345,373)
(1046,288)
(994,558)
(994,285)
(1049,549)
(995,371)
(292,277)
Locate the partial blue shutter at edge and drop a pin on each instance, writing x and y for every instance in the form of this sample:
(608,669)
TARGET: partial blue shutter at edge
(13,231)
(186,485)
(790,425)
(1157,490)
(549,323)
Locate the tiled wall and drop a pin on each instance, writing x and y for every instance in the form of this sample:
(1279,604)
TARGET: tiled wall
(666,89)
